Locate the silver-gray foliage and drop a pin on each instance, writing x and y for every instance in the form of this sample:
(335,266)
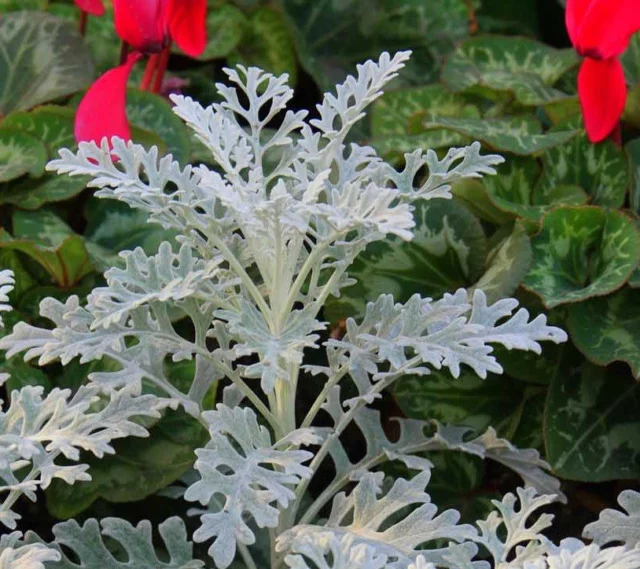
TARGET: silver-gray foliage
(263,240)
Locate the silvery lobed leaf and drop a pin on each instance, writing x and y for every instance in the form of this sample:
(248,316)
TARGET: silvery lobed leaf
(329,551)
(6,286)
(16,554)
(510,535)
(573,554)
(241,463)
(36,430)
(450,332)
(616,526)
(370,518)
(92,551)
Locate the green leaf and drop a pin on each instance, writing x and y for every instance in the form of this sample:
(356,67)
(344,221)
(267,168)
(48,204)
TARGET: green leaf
(507,264)
(497,401)
(13,5)
(51,124)
(30,193)
(523,67)
(398,116)
(582,252)
(114,226)
(631,60)
(607,329)
(42,58)
(514,190)
(519,135)
(447,252)
(601,170)
(592,424)
(20,154)
(138,469)
(152,113)
(268,44)
(45,238)
(226,27)
(633,153)
(474,196)
(332,37)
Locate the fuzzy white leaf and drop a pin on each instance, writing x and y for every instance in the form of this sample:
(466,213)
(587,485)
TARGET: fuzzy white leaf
(87,542)
(36,430)
(7,282)
(615,526)
(369,518)
(15,554)
(241,464)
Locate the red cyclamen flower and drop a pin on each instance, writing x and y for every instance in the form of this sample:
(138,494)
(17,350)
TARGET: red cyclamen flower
(93,7)
(148,26)
(600,31)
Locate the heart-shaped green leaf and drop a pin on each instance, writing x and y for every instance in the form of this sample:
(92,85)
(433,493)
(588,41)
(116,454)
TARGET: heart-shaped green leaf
(582,252)
(607,329)
(20,154)
(45,238)
(507,264)
(523,67)
(522,136)
(601,170)
(226,27)
(592,423)
(42,58)
(514,190)
(153,114)
(398,117)
(268,44)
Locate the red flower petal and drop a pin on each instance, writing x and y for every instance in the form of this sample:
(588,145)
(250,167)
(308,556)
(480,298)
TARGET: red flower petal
(95,7)
(102,111)
(141,23)
(188,25)
(601,29)
(603,93)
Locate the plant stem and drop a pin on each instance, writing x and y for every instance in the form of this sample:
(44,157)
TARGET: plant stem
(149,72)
(124,52)
(163,61)
(82,24)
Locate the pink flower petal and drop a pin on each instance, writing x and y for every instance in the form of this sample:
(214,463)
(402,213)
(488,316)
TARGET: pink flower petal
(601,29)
(603,93)
(94,7)
(142,23)
(102,111)
(188,25)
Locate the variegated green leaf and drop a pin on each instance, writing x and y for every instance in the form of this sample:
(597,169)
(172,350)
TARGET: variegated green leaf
(519,135)
(607,329)
(267,44)
(51,124)
(153,114)
(498,401)
(398,117)
(45,238)
(582,252)
(508,262)
(601,170)
(592,424)
(20,154)
(633,155)
(226,26)
(447,252)
(331,37)
(523,67)
(42,58)
(631,60)
(515,191)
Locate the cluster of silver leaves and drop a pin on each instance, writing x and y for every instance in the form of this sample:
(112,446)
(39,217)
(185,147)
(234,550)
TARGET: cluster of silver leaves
(264,239)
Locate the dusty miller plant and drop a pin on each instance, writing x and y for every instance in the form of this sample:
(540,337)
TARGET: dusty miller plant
(264,240)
